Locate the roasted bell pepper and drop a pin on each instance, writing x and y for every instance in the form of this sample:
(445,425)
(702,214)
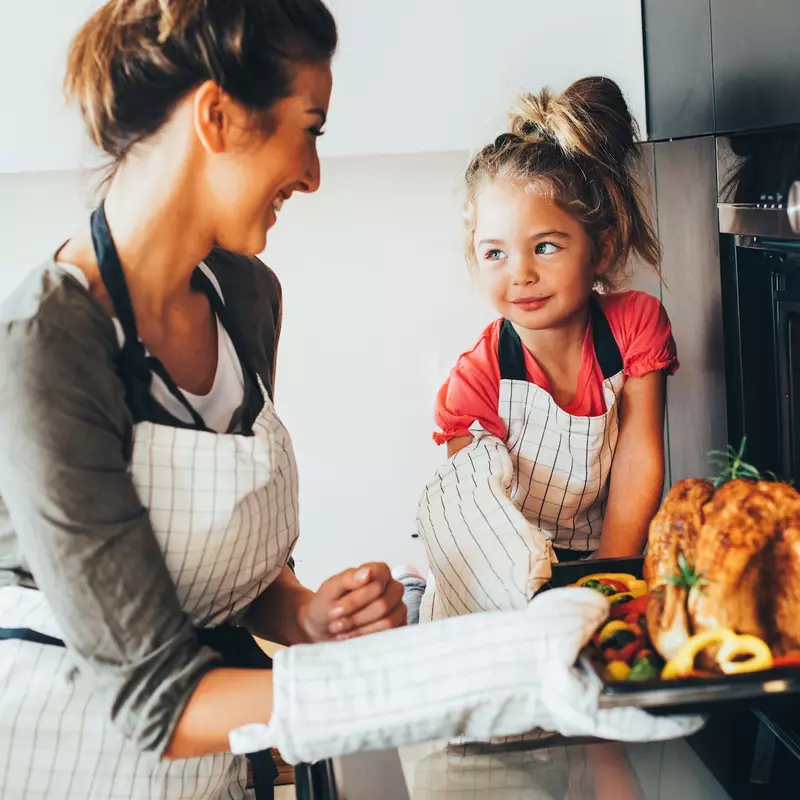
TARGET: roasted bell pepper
(732,647)
(617,586)
(617,671)
(630,651)
(609,629)
(789,660)
(682,663)
(600,586)
(628,609)
(620,577)
(618,633)
(646,667)
(757,652)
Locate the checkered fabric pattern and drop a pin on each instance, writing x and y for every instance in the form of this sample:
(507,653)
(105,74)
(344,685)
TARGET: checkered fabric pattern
(224,510)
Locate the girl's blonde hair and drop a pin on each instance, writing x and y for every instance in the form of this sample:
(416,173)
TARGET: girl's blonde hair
(577,148)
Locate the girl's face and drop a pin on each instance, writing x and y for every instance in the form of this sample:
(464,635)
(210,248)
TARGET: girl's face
(535,260)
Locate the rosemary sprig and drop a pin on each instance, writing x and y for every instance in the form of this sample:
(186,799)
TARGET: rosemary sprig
(688,576)
(731,465)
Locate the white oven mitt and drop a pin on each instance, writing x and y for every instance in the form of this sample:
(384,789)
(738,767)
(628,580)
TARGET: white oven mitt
(483,554)
(475,676)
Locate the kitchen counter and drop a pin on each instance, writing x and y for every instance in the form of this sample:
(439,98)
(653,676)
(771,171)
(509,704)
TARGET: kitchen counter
(740,755)
(554,767)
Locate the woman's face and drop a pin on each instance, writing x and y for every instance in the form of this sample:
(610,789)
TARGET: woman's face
(259,169)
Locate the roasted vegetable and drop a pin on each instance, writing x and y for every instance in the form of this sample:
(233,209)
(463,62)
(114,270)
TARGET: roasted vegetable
(618,577)
(756,652)
(683,662)
(631,609)
(600,586)
(789,660)
(609,629)
(732,648)
(617,671)
(646,667)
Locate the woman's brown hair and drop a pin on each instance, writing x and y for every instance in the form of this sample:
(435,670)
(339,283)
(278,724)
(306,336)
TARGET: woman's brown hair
(133,60)
(579,149)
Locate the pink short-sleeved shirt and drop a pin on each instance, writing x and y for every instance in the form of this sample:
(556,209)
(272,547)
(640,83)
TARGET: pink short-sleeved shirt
(643,334)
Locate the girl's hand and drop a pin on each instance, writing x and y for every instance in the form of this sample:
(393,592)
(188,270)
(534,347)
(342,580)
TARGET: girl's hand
(354,603)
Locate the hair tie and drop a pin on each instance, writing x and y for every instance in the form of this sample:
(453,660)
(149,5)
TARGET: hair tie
(505,139)
(530,128)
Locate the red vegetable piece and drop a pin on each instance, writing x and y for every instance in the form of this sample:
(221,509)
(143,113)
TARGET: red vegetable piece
(789,660)
(633,608)
(628,652)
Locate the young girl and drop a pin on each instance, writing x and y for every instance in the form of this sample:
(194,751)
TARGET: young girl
(571,379)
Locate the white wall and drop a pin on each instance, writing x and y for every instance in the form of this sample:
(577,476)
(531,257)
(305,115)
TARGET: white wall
(378,305)
(410,75)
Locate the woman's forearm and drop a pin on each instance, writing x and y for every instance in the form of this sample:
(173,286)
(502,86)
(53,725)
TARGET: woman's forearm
(224,699)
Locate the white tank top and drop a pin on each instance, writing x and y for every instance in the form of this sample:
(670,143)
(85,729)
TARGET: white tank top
(227,392)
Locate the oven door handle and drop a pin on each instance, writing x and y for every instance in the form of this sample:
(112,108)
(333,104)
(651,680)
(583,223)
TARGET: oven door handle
(767,221)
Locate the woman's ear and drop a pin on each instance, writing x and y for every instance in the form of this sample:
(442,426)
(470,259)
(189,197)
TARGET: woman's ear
(211,117)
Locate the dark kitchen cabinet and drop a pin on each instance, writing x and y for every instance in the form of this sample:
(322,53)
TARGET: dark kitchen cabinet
(756,47)
(720,66)
(680,91)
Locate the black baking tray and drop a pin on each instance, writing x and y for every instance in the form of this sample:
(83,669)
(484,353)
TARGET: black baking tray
(685,695)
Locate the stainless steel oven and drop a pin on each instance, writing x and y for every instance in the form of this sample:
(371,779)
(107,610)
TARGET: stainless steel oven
(759,223)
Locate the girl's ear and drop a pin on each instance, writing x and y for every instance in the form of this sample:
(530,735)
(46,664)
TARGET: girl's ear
(605,255)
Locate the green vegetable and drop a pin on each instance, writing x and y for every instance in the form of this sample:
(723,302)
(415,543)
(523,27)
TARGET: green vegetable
(622,598)
(645,668)
(619,639)
(598,586)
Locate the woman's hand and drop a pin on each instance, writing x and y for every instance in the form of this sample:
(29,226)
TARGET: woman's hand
(354,603)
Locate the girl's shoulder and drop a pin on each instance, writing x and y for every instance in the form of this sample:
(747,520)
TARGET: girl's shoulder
(642,330)
(482,356)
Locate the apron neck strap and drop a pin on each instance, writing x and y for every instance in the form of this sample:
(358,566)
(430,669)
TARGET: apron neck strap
(254,402)
(135,364)
(605,345)
(511,351)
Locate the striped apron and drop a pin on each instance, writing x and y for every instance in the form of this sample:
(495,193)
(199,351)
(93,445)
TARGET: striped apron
(561,462)
(489,516)
(223,508)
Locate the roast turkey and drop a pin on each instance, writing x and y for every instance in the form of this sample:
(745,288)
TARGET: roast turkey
(728,558)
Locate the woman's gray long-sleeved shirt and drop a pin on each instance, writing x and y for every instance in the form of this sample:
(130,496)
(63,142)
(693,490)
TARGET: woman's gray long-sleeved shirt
(71,522)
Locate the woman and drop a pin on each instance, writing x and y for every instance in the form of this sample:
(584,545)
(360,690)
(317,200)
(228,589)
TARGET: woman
(150,487)
(132,516)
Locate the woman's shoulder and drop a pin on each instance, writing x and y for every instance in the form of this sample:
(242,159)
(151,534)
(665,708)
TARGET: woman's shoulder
(252,292)
(245,280)
(58,351)
(52,307)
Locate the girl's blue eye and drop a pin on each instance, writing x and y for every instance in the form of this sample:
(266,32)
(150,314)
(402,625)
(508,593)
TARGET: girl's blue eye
(494,255)
(546,249)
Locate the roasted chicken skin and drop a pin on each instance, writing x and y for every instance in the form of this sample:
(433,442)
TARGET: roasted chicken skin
(740,523)
(780,589)
(673,531)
